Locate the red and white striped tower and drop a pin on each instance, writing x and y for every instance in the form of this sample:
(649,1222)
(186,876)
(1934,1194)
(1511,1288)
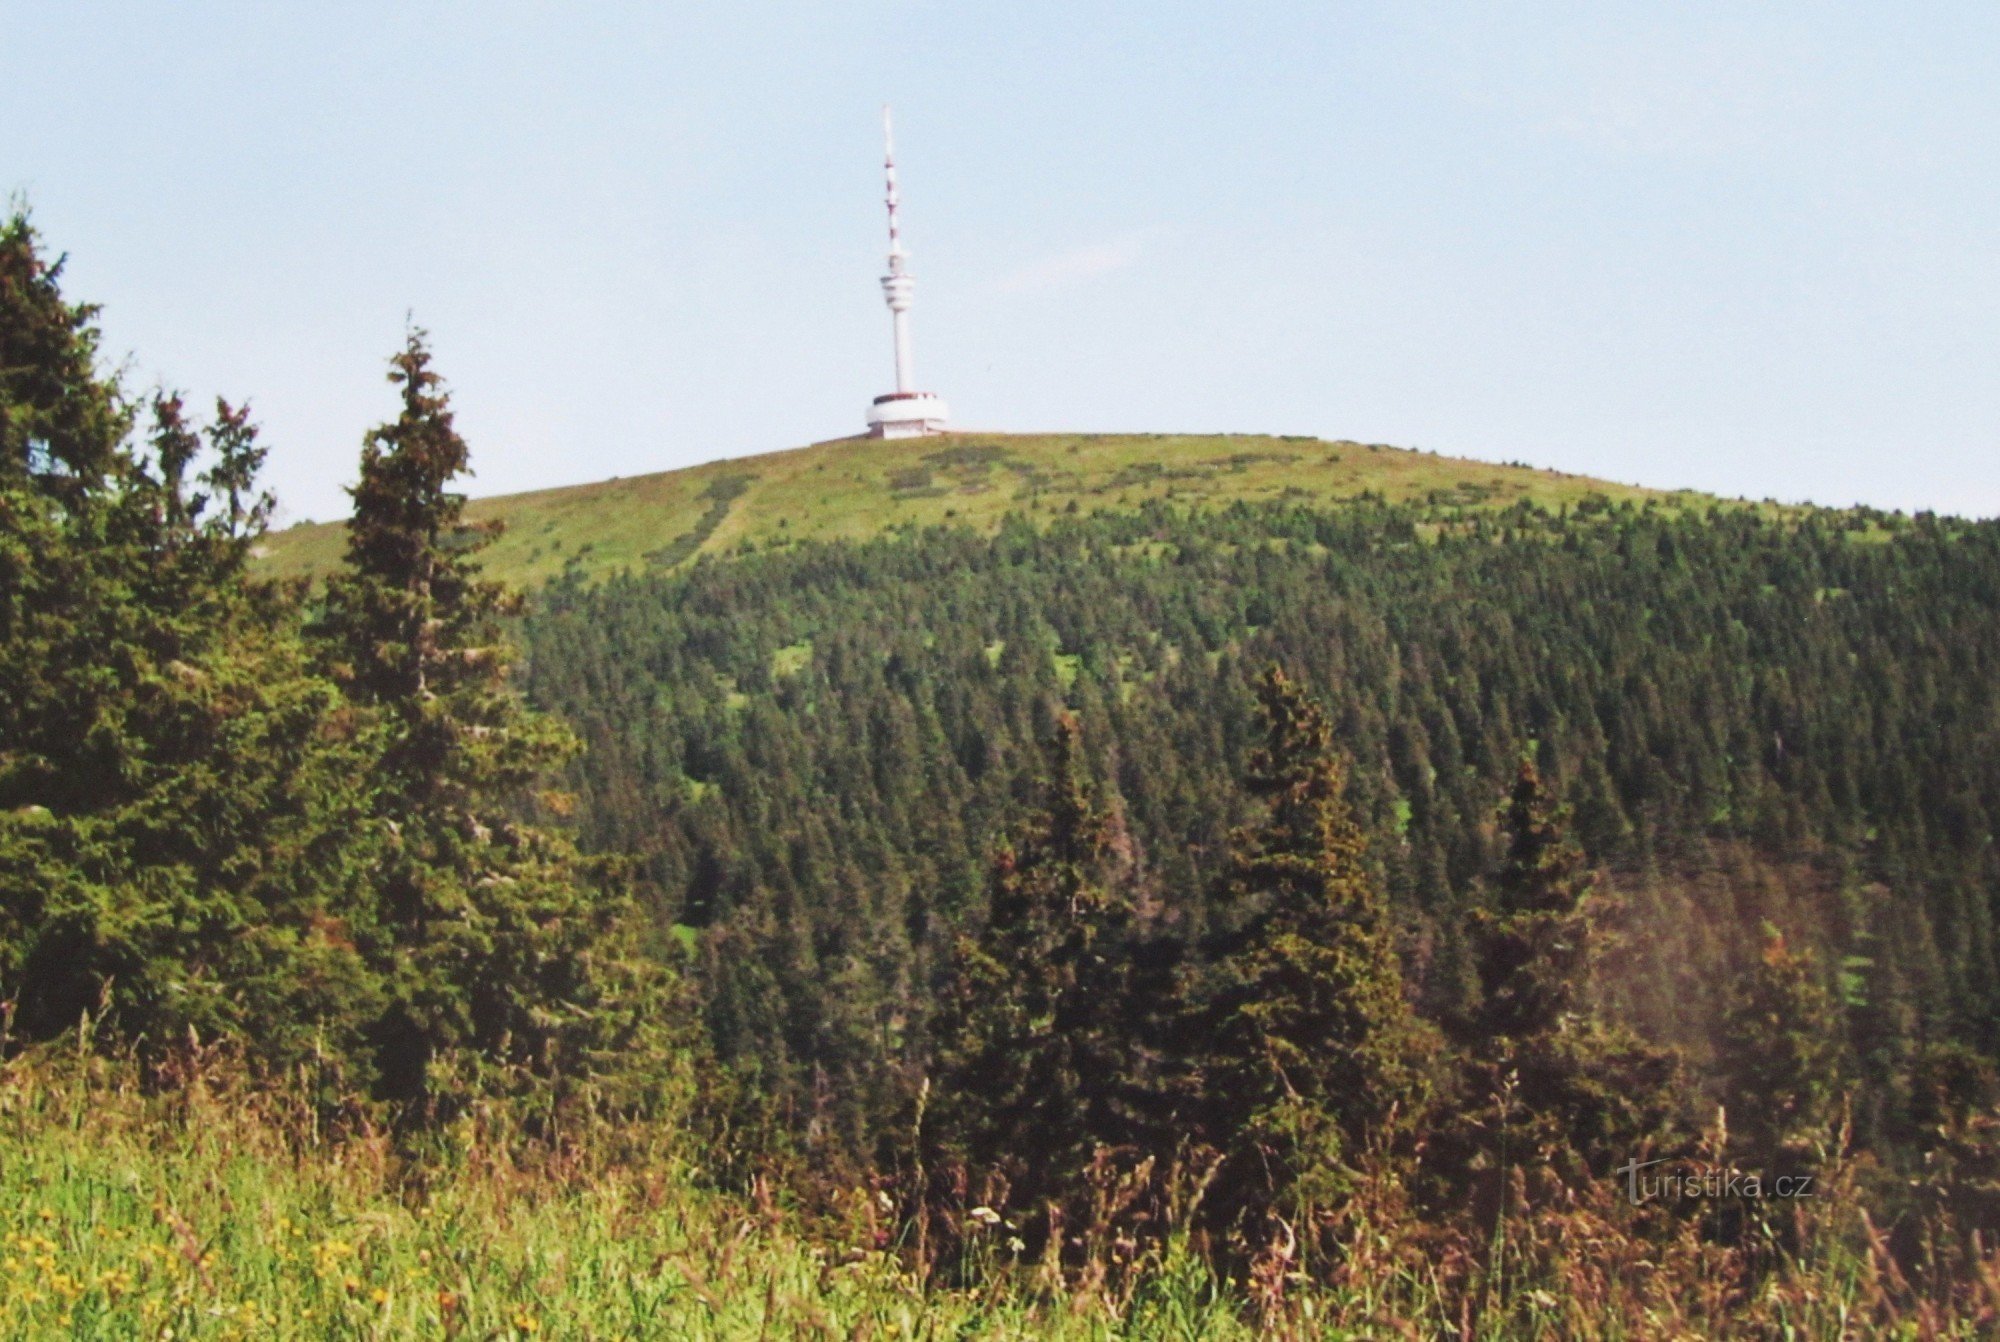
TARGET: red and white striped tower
(904,412)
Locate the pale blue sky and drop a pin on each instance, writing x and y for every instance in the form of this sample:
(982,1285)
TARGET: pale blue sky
(1744,248)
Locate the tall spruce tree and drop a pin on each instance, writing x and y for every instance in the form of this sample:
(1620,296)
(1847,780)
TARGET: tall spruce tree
(1311,1059)
(1542,1081)
(1533,938)
(1040,1069)
(490,932)
(172,807)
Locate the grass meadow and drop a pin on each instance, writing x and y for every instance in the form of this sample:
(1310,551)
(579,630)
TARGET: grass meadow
(199,1206)
(856,488)
(207,1208)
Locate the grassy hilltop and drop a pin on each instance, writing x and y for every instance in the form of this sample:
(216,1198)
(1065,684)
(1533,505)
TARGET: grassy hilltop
(857,487)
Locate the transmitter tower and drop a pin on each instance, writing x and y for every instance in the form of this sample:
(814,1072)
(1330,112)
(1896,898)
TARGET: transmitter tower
(904,412)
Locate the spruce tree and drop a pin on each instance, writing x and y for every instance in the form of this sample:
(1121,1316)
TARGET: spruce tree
(490,932)
(1311,1061)
(64,429)
(1533,939)
(1541,1080)
(1038,1064)
(173,809)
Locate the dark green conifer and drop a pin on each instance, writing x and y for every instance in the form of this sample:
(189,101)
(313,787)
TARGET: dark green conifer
(172,805)
(490,933)
(1038,1066)
(1310,1058)
(1542,1081)
(1533,940)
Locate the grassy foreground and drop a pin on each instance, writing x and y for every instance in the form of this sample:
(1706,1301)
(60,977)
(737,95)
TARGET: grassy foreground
(855,488)
(208,1209)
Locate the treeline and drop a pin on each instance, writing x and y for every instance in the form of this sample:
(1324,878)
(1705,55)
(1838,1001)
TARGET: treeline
(303,833)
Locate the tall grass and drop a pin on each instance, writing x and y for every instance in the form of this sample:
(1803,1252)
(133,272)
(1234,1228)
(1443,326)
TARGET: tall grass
(206,1207)
(213,1209)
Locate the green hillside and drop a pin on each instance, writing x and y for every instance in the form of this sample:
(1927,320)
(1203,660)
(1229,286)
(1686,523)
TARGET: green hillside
(852,488)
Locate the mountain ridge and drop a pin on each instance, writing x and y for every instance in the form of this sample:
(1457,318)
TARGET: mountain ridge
(855,488)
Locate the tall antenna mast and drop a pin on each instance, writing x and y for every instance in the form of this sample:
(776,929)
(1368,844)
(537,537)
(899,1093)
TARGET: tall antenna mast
(905,412)
(898,286)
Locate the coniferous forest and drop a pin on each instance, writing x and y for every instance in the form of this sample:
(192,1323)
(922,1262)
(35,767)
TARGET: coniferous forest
(1408,918)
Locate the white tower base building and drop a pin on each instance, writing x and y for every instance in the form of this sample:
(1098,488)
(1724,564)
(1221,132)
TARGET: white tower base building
(907,414)
(904,412)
